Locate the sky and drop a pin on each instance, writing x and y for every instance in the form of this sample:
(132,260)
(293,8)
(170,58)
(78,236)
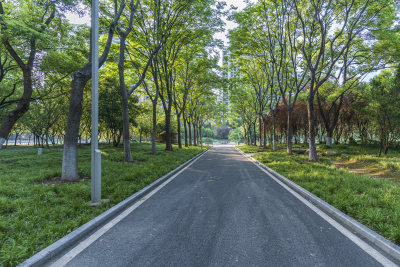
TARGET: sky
(240,4)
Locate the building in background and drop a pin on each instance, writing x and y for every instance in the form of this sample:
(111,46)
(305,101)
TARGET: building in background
(230,73)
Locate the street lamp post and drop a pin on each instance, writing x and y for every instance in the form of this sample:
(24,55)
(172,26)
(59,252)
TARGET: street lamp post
(96,154)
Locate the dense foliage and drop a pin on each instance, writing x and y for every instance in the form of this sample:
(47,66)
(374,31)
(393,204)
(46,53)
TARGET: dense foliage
(158,71)
(303,71)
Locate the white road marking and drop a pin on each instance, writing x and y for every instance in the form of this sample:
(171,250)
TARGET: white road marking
(92,238)
(355,239)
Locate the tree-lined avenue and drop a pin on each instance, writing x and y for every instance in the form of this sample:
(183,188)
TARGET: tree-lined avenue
(223,211)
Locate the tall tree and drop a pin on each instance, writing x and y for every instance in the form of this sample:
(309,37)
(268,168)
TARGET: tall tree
(22,29)
(382,96)
(79,80)
(123,34)
(324,25)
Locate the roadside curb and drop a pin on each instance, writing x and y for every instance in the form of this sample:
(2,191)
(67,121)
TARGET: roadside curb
(70,239)
(345,220)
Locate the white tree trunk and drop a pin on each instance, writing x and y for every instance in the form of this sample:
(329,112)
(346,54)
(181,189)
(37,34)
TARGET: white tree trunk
(274,145)
(70,165)
(329,141)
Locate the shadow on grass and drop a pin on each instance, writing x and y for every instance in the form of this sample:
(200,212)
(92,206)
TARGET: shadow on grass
(36,209)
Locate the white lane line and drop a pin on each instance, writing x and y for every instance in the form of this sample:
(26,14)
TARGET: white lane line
(355,239)
(87,242)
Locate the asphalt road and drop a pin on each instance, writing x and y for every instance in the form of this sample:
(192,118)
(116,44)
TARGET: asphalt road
(223,211)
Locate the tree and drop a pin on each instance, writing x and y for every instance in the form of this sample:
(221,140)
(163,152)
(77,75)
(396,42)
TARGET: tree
(23,30)
(7,67)
(197,21)
(121,67)
(78,83)
(156,27)
(236,135)
(328,29)
(383,108)
(110,109)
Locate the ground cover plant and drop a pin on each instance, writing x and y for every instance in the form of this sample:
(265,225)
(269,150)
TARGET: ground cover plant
(361,159)
(373,202)
(36,208)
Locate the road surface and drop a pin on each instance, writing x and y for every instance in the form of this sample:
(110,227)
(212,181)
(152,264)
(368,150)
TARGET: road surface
(221,211)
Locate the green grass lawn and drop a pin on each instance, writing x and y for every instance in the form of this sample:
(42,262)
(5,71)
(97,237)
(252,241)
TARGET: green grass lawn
(362,159)
(36,210)
(373,202)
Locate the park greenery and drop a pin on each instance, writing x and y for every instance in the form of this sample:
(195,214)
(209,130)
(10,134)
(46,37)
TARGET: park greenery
(158,69)
(315,71)
(36,208)
(315,95)
(319,79)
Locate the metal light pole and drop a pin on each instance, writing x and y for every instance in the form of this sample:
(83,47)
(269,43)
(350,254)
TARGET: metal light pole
(96,154)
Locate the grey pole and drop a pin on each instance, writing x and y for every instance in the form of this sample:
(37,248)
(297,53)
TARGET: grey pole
(96,155)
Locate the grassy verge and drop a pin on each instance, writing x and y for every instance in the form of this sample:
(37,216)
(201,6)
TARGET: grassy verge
(373,202)
(36,209)
(361,159)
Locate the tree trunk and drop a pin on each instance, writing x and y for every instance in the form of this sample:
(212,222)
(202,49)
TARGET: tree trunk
(255,133)
(79,80)
(201,138)
(23,105)
(329,140)
(190,133)
(313,156)
(186,135)
(70,152)
(386,148)
(289,149)
(168,141)
(259,132)
(194,135)
(198,135)
(154,132)
(274,141)
(16,138)
(47,138)
(249,135)
(124,98)
(178,119)
(265,132)
(245,135)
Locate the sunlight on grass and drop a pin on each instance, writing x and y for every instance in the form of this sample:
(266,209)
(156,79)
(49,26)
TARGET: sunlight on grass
(34,212)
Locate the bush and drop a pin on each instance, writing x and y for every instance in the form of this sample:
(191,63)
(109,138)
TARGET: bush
(352,141)
(208,132)
(208,140)
(236,135)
